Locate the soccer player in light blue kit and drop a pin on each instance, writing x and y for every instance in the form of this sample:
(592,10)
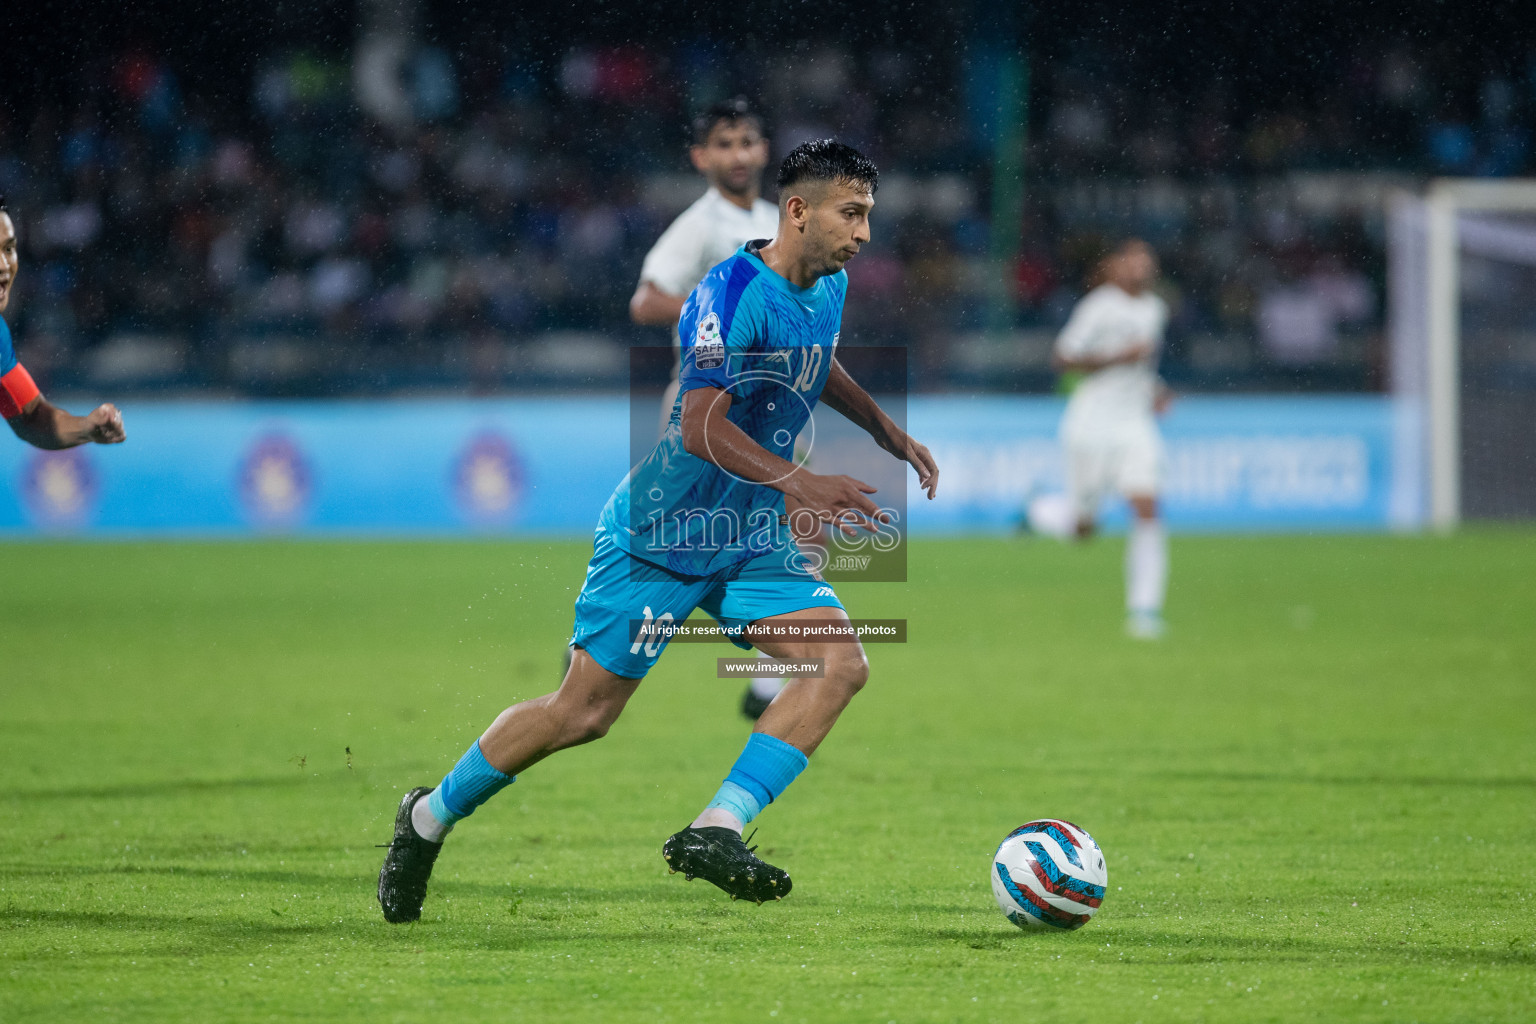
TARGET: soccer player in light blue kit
(34,419)
(700,524)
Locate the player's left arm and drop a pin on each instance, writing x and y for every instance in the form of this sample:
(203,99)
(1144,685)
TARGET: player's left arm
(843,394)
(1162,395)
(42,424)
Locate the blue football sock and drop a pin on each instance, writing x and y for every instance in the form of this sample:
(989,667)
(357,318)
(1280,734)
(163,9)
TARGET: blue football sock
(764,770)
(471,783)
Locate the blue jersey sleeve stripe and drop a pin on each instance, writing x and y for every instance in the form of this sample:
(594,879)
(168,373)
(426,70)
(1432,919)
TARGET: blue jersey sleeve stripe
(742,274)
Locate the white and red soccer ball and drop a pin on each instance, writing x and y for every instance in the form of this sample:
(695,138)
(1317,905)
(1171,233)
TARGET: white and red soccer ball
(1049,874)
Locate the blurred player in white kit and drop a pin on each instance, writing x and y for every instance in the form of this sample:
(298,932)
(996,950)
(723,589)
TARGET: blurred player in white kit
(729,149)
(731,152)
(1109,431)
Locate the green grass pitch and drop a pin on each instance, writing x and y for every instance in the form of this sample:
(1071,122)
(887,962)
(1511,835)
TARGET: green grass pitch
(1317,796)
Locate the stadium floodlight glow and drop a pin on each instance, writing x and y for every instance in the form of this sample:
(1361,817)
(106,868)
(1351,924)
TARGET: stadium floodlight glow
(1430,234)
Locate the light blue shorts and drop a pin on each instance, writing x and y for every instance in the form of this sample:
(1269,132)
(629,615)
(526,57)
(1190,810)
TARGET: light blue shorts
(623,592)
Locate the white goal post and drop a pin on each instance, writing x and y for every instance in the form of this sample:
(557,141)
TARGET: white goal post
(1429,234)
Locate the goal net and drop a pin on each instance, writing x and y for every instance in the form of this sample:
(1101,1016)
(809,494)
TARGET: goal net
(1462,288)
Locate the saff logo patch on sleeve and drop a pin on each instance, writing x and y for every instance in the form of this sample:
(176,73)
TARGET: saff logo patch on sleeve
(708,345)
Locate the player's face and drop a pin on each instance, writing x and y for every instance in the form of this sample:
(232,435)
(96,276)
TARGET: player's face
(8,262)
(837,225)
(1136,268)
(733,157)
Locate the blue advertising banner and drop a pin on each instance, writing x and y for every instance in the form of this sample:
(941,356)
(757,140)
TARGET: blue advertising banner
(1255,462)
(545,465)
(530,465)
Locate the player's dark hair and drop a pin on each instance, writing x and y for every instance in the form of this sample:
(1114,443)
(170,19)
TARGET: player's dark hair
(827,160)
(727,112)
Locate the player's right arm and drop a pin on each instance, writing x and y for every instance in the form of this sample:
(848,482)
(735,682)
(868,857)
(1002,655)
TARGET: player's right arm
(1074,345)
(709,434)
(44,425)
(653,307)
(39,422)
(670,271)
(1091,364)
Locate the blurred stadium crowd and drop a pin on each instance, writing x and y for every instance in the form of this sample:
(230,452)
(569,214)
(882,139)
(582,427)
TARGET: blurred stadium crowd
(310,238)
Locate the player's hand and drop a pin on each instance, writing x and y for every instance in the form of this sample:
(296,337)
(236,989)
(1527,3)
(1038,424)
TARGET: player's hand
(804,528)
(1137,353)
(840,500)
(104,425)
(908,450)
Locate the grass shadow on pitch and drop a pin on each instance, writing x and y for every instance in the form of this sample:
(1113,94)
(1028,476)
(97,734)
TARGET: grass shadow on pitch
(247,879)
(166,788)
(1414,781)
(655,891)
(1154,947)
(232,875)
(173,929)
(157,933)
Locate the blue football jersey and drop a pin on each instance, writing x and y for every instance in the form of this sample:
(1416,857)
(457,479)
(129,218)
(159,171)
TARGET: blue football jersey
(769,344)
(7,349)
(17,388)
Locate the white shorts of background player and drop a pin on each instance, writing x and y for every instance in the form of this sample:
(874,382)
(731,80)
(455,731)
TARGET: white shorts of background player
(1126,458)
